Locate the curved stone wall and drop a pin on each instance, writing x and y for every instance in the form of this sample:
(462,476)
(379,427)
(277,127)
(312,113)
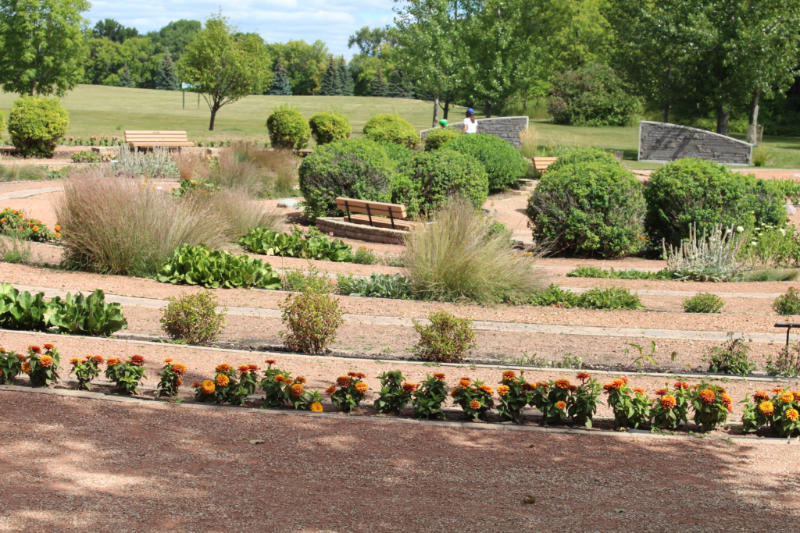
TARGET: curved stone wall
(506,128)
(661,141)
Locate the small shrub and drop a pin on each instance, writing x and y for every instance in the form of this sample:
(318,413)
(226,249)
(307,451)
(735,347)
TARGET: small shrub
(458,257)
(281,390)
(396,152)
(197,265)
(474,398)
(769,246)
(126,376)
(429,396)
(312,317)
(430,179)
(733,357)
(348,392)
(193,318)
(288,128)
(710,257)
(786,363)
(393,128)
(576,156)
(514,395)
(631,407)
(438,137)
(395,393)
(554,296)
(594,272)
(446,339)
(503,163)
(226,388)
(299,280)
(788,304)
(153,164)
(376,286)
(592,208)
(353,168)
(609,298)
(328,127)
(170,378)
(592,95)
(711,406)
(42,368)
(10,365)
(364,256)
(36,124)
(560,401)
(703,302)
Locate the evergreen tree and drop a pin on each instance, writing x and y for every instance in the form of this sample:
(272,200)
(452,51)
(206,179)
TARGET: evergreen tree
(280,80)
(346,78)
(331,82)
(398,87)
(378,85)
(125,78)
(166,77)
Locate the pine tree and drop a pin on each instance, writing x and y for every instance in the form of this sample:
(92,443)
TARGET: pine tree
(345,78)
(166,78)
(125,78)
(377,86)
(331,84)
(280,80)
(398,88)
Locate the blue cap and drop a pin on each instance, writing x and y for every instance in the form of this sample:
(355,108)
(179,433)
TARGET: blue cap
(470,111)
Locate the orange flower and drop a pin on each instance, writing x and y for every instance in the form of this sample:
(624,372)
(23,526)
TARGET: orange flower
(252,367)
(561,405)
(439,376)
(330,390)
(787,397)
(639,390)
(48,346)
(224,368)
(777,390)
(465,382)
(46,361)
(279,378)
(352,374)
(624,380)
(2,350)
(454,392)
(297,390)
(98,359)
(361,387)
(509,374)
(26,367)
(502,390)
(168,360)
(196,384)
(707,395)
(668,401)
(797,396)
(73,361)
(34,349)
(179,382)
(792,414)
(475,405)
(137,360)
(726,399)
(487,389)
(222,380)
(661,392)
(315,407)
(270,362)
(300,379)
(766,408)
(583,376)
(207,387)
(243,369)
(179,368)
(410,387)
(343,381)
(761,396)
(112,361)
(57,227)
(562,383)
(361,375)
(681,385)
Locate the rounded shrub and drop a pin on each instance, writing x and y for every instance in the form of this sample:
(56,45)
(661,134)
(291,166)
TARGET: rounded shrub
(391,127)
(593,208)
(312,316)
(327,127)
(787,304)
(503,163)
(355,168)
(193,318)
(429,179)
(591,96)
(706,194)
(446,339)
(703,302)
(36,124)
(436,138)
(583,155)
(397,152)
(288,128)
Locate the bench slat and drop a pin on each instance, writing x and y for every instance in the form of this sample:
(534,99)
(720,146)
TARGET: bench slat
(155,138)
(375,208)
(540,164)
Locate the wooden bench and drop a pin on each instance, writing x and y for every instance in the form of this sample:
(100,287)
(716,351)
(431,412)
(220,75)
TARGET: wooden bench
(540,164)
(156,139)
(394,212)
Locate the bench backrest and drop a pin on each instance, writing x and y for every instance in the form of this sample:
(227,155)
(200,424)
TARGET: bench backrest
(148,137)
(366,207)
(541,163)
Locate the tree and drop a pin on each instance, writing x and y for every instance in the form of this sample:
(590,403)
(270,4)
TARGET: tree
(345,78)
(224,67)
(332,81)
(166,77)
(113,30)
(125,78)
(378,86)
(176,36)
(305,64)
(280,80)
(43,48)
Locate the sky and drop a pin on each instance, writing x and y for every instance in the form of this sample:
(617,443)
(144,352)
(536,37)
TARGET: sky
(331,21)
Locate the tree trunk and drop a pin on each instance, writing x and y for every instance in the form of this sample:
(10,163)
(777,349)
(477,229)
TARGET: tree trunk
(722,121)
(488,110)
(666,112)
(435,109)
(752,128)
(214,110)
(446,109)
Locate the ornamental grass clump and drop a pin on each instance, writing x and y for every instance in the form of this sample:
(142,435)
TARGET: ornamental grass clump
(395,393)
(41,367)
(193,318)
(475,398)
(670,408)
(631,407)
(446,339)
(711,406)
(171,378)
(778,414)
(312,318)
(86,370)
(348,392)
(127,376)
(458,256)
(429,396)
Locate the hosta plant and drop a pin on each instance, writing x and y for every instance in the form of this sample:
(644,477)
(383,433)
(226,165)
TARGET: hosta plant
(127,376)
(631,407)
(711,406)
(348,392)
(671,408)
(171,378)
(42,368)
(778,414)
(429,396)
(475,398)
(86,370)
(395,393)
(10,365)
(88,315)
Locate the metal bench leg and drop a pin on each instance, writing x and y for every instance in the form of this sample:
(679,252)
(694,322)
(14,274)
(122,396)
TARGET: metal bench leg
(391,217)
(347,208)
(369,214)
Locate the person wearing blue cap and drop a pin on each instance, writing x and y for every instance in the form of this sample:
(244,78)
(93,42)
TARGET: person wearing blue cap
(470,124)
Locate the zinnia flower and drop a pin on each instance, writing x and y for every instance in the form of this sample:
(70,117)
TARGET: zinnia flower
(410,387)
(361,387)
(48,346)
(270,362)
(681,385)
(222,380)
(207,387)
(439,376)
(624,380)
(761,396)
(300,379)
(464,383)
(562,383)
(330,390)
(224,368)
(583,376)
(475,405)
(777,390)
(179,368)
(112,361)
(487,389)
(573,388)
(73,361)
(98,359)
(797,396)
(509,374)
(46,361)
(766,408)
(343,381)
(252,367)
(639,390)
(792,414)
(243,369)
(454,392)
(196,384)
(787,397)
(502,390)
(34,349)
(168,360)
(179,382)
(137,360)
(297,390)
(315,407)
(707,395)
(561,405)
(352,374)
(661,392)
(279,378)
(668,401)
(26,367)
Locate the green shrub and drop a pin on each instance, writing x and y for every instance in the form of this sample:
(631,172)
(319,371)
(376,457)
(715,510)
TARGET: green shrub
(310,245)
(594,272)
(574,156)
(592,208)
(397,152)
(704,193)
(610,298)
(458,257)
(703,302)
(376,286)
(327,127)
(446,339)
(788,304)
(503,163)
(591,96)
(154,164)
(353,168)
(197,265)
(770,246)
(193,318)
(390,127)
(438,137)
(554,296)
(288,128)
(36,124)
(312,316)
(731,358)
(429,179)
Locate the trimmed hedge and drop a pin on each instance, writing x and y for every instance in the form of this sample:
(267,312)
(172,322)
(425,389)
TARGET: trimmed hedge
(503,163)
(288,128)
(390,127)
(583,155)
(36,124)
(355,168)
(592,208)
(327,127)
(429,178)
(690,191)
(436,138)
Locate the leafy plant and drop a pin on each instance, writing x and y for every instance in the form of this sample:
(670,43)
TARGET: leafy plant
(788,304)
(348,392)
(711,406)
(10,365)
(197,265)
(503,163)
(42,368)
(710,257)
(395,393)
(703,302)
(731,358)
(126,376)
(514,394)
(193,318)
(670,410)
(594,272)
(328,127)
(288,129)
(610,298)
(769,246)
(376,286)
(88,157)
(310,245)
(90,315)
(446,339)
(474,398)
(312,318)
(429,396)
(226,388)
(777,414)
(36,124)
(86,370)
(631,407)
(170,378)
(786,363)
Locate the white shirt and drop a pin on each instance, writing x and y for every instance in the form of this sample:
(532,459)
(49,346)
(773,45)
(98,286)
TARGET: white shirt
(471,127)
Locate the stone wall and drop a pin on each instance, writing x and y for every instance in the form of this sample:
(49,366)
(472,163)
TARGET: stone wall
(660,141)
(342,228)
(506,128)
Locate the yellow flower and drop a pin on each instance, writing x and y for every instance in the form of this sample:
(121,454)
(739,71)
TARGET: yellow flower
(792,414)
(26,367)
(787,397)
(361,387)
(222,380)
(207,387)
(315,407)
(502,390)
(766,408)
